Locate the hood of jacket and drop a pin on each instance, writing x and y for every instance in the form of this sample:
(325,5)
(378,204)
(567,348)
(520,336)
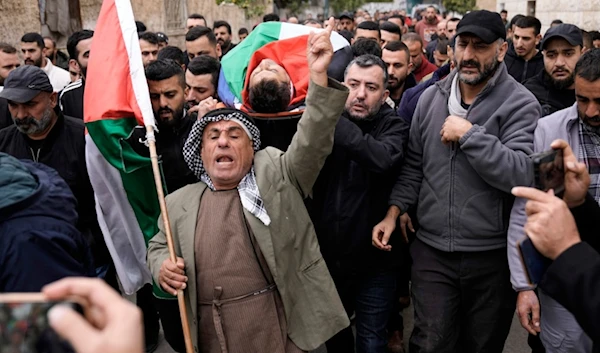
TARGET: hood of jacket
(34,189)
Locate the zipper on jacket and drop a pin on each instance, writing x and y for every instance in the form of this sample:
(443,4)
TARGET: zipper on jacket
(451,199)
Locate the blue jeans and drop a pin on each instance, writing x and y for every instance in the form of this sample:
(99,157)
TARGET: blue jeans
(371,298)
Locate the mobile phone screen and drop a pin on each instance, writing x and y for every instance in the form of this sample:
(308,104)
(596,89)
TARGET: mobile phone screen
(534,262)
(24,328)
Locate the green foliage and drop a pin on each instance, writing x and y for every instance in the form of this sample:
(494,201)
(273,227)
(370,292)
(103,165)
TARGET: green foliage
(460,6)
(252,8)
(345,5)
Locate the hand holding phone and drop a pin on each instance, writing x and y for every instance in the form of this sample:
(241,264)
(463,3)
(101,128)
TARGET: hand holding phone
(549,170)
(113,324)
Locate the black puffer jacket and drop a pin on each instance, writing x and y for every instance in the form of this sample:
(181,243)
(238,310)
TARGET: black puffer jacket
(351,194)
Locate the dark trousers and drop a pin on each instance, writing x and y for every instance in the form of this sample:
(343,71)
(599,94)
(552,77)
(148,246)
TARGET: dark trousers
(463,301)
(371,298)
(168,309)
(145,301)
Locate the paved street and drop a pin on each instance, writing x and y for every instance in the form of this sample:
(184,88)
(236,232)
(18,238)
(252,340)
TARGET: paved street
(516,343)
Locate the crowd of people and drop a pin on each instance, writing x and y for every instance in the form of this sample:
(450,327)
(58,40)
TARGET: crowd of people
(394,169)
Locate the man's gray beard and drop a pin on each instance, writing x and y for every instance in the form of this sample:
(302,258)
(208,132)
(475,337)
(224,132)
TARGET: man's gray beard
(488,71)
(559,84)
(33,126)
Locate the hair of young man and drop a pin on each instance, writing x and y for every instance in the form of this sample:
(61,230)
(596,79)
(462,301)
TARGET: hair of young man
(204,65)
(200,31)
(442,46)
(369,26)
(74,39)
(453,19)
(432,7)
(397,45)
(140,26)
(243,30)
(399,17)
(149,37)
(313,21)
(271,17)
(196,16)
(556,22)
(363,46)
(530,22)
(164,69)
(34,38)
(504,11)
(218,24)
(366,61)
(515,18)
(7,48)
(595,35)
(269,96)
(412,37)
(173,53)
(390,27)
(348,35)
(587,67)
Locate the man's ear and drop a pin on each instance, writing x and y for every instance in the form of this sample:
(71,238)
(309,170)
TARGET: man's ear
(386,94)
(74,65)
(53,99)
(219,51)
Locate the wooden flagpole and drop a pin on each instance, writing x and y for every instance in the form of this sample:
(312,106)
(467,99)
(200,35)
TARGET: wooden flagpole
(189,347)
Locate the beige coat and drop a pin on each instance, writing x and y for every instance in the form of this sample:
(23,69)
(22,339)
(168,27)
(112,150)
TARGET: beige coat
(289,244)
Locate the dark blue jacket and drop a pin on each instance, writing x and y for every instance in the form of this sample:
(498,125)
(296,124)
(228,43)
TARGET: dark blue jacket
(39,242)
(408,104)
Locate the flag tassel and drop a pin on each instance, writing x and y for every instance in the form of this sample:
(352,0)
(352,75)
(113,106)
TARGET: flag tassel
(151,140)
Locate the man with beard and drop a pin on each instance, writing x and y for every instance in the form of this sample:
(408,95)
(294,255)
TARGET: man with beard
(440,33)
(222,31)
(201,79)
(421,67)
(427,27)
(350,196)
(523,59)
(43,134)
(389,32)
(57,57)
(166,83)
(396,57)
(554,86)
(149,47)
(580,126)
(34,53)
(9,60)
(202,41)
(460,184)
(70,100)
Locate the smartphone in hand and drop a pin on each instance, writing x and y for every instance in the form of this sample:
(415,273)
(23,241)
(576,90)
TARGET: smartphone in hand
(534,262)
(549,171)
(24,326)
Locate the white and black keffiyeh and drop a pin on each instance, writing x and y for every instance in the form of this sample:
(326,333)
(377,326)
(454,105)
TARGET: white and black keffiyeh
(248,188)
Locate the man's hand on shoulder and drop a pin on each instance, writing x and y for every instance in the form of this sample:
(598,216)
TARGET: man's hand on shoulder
(319,53)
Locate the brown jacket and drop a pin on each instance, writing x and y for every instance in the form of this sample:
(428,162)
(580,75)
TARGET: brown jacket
(289,244)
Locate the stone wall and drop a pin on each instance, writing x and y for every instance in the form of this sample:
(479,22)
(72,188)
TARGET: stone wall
(583,13)
(17,18)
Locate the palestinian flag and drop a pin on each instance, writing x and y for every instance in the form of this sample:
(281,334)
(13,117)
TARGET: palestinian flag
(285,43)
(116,100)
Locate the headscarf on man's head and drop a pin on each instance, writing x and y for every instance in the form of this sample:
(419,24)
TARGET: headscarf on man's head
(193,145)
(248,188)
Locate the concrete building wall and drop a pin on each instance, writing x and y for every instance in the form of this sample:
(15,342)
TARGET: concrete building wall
(489,5)
(17,18)
(583,13)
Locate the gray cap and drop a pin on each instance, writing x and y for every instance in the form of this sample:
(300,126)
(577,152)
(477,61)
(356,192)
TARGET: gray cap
(347,14)
(568,32)
(24,83)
